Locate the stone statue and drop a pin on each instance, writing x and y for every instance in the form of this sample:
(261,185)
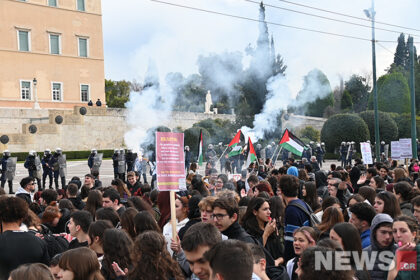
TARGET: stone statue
(208,103)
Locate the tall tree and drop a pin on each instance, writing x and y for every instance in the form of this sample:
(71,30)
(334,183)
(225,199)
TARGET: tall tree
(401,59)
(358,89)
(117,93)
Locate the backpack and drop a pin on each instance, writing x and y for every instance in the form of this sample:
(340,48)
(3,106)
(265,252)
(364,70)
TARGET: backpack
(56,243)
(313,219)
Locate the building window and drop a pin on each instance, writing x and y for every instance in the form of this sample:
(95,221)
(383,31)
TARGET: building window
(84,92)
(81,5)
(83,47)
(24,40)
(52,3)
(56,92)
(55,44)
(25,90)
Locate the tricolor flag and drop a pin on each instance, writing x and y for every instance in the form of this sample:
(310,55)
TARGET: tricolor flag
(200,149)
(236,149)
(291,143)
(252,156)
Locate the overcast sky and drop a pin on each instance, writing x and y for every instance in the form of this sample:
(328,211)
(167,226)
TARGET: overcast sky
(137,31)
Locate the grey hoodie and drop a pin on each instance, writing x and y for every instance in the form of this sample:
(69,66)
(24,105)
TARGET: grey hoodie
(24,194)
(376,272)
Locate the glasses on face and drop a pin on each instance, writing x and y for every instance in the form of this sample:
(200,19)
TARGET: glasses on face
(31,184)
(218,216)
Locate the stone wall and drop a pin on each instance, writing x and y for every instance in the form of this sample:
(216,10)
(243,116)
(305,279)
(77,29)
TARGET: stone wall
(100,127)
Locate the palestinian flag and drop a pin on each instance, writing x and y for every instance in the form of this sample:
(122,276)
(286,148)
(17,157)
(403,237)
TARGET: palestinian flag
(252,156)
(236,149)
(200,149)
(291,143)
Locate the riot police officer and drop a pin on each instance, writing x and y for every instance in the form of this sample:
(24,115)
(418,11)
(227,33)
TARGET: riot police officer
(319,154)
(187,157)
(115,162)
(58,164)
(121,164)
(8,167)
(92,155)
(32,166)
(130,159)
(46,168)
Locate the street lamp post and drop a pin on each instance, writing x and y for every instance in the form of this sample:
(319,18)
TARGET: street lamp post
(371,14)
(36,104)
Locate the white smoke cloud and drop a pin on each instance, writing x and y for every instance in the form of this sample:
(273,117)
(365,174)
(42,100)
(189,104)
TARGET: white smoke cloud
(148,109)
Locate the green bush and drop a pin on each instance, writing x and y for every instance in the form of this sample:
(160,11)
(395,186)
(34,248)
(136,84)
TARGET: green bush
(393,94)
(343,127)
(310,132)
(192,137)
(388,129)
(403,122)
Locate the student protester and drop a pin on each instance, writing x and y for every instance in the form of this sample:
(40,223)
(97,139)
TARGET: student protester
(377,183)
(258,223)
(327,202)
(261,269)
(150,257)
(405,231)
(386,202)
(348,236)
(94,202)
(310,196)
(111,199)
(72,191)
(54,268)
(404,193)
(144,221)
(330,218)
(361,217)
(122,189)
(206,209)
(33,271)
(304,238)
(127,221)
(78,228)
(230,259)
(194,215)
(18,247)
(108,214)
(80,263)
(51,216)
(198,239)
(181,210)
(95,236)
(26,189)
(416,208)
(295,217)
(381,240)
(132,184)
(116,246)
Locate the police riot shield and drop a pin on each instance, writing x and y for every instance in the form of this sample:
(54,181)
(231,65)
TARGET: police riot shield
(11,168)
(121,163)
(97,161)
(62,165)
(38,166)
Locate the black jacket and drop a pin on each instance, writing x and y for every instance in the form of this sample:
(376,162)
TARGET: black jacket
(77,202)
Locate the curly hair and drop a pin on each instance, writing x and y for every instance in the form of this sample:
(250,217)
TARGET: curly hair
(116,245)
(151,260)
(13,209)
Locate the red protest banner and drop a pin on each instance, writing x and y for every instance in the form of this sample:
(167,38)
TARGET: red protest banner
(170,163)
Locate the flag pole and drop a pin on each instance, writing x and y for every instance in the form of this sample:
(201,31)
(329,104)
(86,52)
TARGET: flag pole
(223,153)
(274,152)
(280,150)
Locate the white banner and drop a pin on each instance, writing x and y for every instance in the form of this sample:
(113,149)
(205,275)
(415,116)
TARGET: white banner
(366,153)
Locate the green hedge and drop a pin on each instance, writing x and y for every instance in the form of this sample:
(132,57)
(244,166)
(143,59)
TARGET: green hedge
(388,129)
(343,127)
(70,155)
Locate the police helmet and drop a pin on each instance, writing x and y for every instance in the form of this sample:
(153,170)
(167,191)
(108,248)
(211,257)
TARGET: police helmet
(31,152)
(382,142)
(343,143)
(268,146)
(116,151)
(318,145)
(258,146)
(6,153)
(311,142)
(94,151)
(348,143)
(352,142)
(368,141)
(210,146)
(322,144)
(187,148)
(220,143)
(273,143)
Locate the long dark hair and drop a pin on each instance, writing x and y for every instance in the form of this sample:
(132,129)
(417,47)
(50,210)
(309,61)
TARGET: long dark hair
(311,196)
(94,202)
(277,209)
(391,205)
(350,238)
(127,221)
(116,245)
(249,220)
(144,221)
(151,259)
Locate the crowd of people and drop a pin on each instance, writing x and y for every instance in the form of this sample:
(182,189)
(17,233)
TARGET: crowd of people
(271,223)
